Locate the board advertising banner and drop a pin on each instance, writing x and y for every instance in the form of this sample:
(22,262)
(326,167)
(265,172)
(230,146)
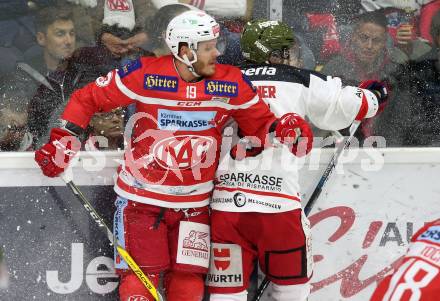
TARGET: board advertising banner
(361,224)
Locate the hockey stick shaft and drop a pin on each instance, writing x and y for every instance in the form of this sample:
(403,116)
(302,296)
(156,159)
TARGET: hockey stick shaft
(329,169)
(124,254)
(317,191)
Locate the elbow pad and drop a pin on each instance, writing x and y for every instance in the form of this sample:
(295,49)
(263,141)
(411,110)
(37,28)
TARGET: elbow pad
(369,105)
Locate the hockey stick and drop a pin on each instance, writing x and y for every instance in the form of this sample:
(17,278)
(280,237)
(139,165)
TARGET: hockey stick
(330,167)
(317,191)
(124,254)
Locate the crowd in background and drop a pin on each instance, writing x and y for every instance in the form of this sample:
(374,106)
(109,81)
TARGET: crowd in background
(49,48)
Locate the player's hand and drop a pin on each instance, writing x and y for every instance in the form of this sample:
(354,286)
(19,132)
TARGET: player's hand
(54,157)
(294,131)
(378,88)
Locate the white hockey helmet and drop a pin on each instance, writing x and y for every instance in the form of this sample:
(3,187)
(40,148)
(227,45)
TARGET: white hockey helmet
(191,27)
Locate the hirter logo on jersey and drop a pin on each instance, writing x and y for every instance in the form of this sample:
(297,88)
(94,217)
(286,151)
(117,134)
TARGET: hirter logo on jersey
(161,82)
(221,88)
(118,5)
(183,152)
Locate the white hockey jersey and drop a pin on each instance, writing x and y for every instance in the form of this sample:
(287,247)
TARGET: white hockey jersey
(269,182)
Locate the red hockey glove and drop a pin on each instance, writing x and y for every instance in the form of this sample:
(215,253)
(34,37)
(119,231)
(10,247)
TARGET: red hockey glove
(378,88)
(54,156)
(293,130)
(374,96)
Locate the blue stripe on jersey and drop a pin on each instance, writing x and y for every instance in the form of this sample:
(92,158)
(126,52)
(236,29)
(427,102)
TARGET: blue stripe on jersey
(118,230)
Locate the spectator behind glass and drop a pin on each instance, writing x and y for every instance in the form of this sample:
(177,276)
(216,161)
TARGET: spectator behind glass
(56,34)
(231,15)
(106,130)
(144,10)
(426,14)
(89,16)
(158,25)
(84,15)
(412,117)
(13,130)
(115,47)
(17,31)
(119,32)
(364,57)
(231,9)
(317,22)
(402,26)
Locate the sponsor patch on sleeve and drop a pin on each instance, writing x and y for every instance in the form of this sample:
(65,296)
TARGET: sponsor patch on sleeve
(129,68)
(185,120)
(161,82)
(221,88)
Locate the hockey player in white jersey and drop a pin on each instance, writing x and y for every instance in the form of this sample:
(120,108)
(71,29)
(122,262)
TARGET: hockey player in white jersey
(256,205)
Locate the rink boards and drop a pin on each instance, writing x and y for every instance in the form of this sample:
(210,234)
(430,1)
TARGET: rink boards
(373,203)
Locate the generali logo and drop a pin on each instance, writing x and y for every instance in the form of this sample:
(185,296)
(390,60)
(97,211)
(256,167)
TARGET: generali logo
(196,240)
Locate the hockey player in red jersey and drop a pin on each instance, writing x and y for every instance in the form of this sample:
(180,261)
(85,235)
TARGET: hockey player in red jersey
(165,183)
(256,205)
(418,276)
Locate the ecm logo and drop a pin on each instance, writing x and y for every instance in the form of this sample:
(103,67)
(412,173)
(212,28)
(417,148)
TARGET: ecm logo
(99,268)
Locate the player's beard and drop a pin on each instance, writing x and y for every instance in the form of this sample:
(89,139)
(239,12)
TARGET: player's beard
(205,69)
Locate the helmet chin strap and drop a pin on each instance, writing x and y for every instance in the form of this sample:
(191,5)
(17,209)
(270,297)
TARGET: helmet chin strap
(184,59)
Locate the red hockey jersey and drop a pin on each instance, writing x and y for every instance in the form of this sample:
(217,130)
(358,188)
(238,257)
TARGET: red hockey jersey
(418,277)
(175,135)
